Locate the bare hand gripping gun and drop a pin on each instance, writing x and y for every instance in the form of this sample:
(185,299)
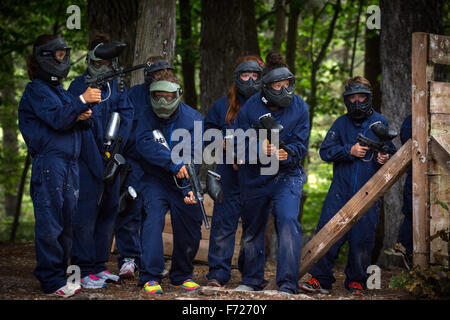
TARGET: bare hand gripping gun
(381,132)
(213,187)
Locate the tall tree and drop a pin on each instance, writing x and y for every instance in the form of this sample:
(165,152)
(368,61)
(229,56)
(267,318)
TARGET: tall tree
(188,54)
(118,19)
(228,32)
(399,19)
(155,33)
(280,25)
(291,38)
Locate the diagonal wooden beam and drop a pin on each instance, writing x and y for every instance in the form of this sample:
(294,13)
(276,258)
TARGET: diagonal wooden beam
(355,208)
(439,147)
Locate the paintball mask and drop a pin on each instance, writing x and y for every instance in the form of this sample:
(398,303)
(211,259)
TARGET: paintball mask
(358,111)
(249,87)
(278,98)
(50,67)
(165,107)
(103,51)
(149,72)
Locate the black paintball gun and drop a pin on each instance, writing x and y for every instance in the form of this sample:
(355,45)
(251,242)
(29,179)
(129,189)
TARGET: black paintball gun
(108,51)
(383,133)
(127,193)
(115,160)
(267,122)
(213,187)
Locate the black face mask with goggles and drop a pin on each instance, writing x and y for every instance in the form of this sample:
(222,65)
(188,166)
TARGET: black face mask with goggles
(358,111)
(52,69)
(249,87)
(278,98)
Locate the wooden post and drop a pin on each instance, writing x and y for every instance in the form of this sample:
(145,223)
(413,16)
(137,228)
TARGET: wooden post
(355,208)
(420,128)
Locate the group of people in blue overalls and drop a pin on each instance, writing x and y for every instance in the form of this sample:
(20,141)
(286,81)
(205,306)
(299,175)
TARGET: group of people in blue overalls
(65,134)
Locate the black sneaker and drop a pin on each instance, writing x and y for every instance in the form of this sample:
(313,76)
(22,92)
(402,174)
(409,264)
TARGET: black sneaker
(312,286)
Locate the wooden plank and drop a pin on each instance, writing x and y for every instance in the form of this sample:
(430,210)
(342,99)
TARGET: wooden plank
(355,208)
(439,124)
(439,97)
(439,49)
(420,127)
(439,220)
(205,232)
(440,150)
(202,253)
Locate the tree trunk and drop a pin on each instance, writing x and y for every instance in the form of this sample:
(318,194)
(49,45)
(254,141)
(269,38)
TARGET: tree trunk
(399,19)
(10,170)
(155,33)
(291,41)
(187,54)
(118,19)
(280,25)
(228,31)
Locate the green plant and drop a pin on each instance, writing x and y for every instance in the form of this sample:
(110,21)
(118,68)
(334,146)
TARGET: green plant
(424,283)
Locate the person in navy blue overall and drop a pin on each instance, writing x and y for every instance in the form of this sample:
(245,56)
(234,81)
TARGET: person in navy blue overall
(128,223)
(405,232)
(49,121)
(353,166)
(161,193)
(94,225)
(278,193)
(222,116)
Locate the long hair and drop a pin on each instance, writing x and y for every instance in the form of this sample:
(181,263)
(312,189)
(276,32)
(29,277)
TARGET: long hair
(232,95)
(32,64)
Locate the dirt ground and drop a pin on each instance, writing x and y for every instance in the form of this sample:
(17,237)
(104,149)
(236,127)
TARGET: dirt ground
(17,282)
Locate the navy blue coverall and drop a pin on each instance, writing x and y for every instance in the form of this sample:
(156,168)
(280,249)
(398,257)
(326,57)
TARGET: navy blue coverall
(128,225)
(405,232)
(48,123)
(349,175)
(226,214)
(279,194)
(161,194)
(93,226)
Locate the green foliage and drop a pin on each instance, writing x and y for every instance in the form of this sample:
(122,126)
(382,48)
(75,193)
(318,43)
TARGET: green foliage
(25,231)
(424,283)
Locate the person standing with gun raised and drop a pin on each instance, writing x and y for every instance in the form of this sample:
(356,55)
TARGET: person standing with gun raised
(165,112)
(353,165)
(278,192)
(108,127)
(49,121)
(128,222)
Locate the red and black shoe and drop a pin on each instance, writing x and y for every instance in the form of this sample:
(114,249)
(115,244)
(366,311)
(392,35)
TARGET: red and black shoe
(312,286)
(355,289)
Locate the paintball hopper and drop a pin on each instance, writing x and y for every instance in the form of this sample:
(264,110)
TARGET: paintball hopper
(382,132)
(266,121)
(213,187)
(113,168)
(108,51)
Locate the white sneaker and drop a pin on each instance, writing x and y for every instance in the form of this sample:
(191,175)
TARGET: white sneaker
(68,290)
(92,282)
(128,268)
(243,287)
(107,276)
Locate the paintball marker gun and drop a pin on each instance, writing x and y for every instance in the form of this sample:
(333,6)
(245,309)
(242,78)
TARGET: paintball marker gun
(267,122)
(383,133)
(108,51)
(213,187)
(127,194)
(115,159)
